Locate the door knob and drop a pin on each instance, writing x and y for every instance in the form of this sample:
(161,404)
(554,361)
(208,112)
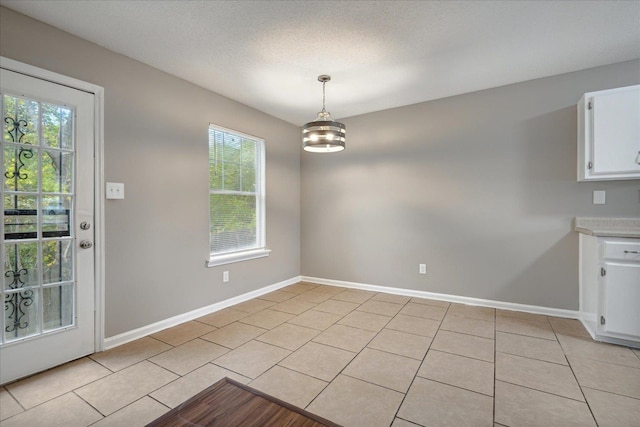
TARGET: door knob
(86,244)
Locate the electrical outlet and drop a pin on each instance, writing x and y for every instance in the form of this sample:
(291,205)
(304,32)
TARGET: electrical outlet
(423,268)
(225,276)
(599,197)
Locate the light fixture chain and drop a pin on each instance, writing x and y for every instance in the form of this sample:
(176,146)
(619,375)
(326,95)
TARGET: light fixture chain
(323,97)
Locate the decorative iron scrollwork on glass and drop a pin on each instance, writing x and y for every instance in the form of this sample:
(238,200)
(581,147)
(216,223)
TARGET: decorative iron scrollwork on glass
(17,131)
(16,303)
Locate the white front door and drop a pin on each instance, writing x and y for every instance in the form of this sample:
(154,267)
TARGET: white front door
(47,286)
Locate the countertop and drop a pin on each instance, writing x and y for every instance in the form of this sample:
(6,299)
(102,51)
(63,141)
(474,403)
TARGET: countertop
(608,227)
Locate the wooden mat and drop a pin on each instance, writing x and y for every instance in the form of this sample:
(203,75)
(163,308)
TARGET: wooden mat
(230,403)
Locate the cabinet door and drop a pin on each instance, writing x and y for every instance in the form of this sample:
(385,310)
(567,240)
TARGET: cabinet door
(621,300)
(616,132)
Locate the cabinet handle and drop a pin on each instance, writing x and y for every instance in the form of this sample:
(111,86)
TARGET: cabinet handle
(632,252)
(638,158)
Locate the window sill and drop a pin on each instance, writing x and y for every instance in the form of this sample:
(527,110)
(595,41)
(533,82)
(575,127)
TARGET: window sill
(238,257)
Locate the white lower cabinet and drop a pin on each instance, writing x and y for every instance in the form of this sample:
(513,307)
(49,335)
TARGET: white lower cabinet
(610,288)
(620,312)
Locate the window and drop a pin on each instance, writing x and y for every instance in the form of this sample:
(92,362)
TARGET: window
(236,197)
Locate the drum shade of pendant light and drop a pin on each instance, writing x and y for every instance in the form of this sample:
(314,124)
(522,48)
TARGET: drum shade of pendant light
(323,135)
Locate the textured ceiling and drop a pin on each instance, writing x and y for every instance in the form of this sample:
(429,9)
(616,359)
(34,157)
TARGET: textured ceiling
(380,54)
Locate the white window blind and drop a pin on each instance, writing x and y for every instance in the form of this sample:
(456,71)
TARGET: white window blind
(236,196)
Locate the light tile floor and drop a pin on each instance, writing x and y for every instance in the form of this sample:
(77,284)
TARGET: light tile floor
(358,358)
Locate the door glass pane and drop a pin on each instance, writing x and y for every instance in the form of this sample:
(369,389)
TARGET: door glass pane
(20,218)
(57,168)
(57,126)
(20,265)
(57,262)
(57,307)
(20,168)
(21,314)
(56,218)
(20,118)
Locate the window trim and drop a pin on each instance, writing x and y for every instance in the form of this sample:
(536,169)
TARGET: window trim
(240,256)
(261,249)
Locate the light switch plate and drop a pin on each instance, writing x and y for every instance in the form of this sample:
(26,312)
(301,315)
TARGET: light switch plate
(599,197)
(115,190)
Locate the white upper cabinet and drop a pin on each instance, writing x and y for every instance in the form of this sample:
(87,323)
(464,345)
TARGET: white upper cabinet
(609,135)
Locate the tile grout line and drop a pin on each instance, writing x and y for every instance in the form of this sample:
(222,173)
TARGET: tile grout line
(124,407)
(533,358)
(156,400)
(354,357)
(586,401)
(88,403)
(357,354)
(455,386)
(101,364)
(568,365)
(610,392)
(524,335)
(542,391)
(466,333)
(301,373)
(461,355)
(421,362)
(16,399)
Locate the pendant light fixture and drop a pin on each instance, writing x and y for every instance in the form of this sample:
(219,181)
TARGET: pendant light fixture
(323,135)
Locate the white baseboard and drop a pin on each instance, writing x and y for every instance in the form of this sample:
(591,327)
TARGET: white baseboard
(135,334)
(548,311)
(588,320)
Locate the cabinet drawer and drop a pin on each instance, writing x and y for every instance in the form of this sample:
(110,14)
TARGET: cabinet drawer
(626,251)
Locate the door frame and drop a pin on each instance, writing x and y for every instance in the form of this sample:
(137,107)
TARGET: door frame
(99,189)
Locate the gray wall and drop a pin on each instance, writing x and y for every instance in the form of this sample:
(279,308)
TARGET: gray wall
(481,187)
(156,128)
